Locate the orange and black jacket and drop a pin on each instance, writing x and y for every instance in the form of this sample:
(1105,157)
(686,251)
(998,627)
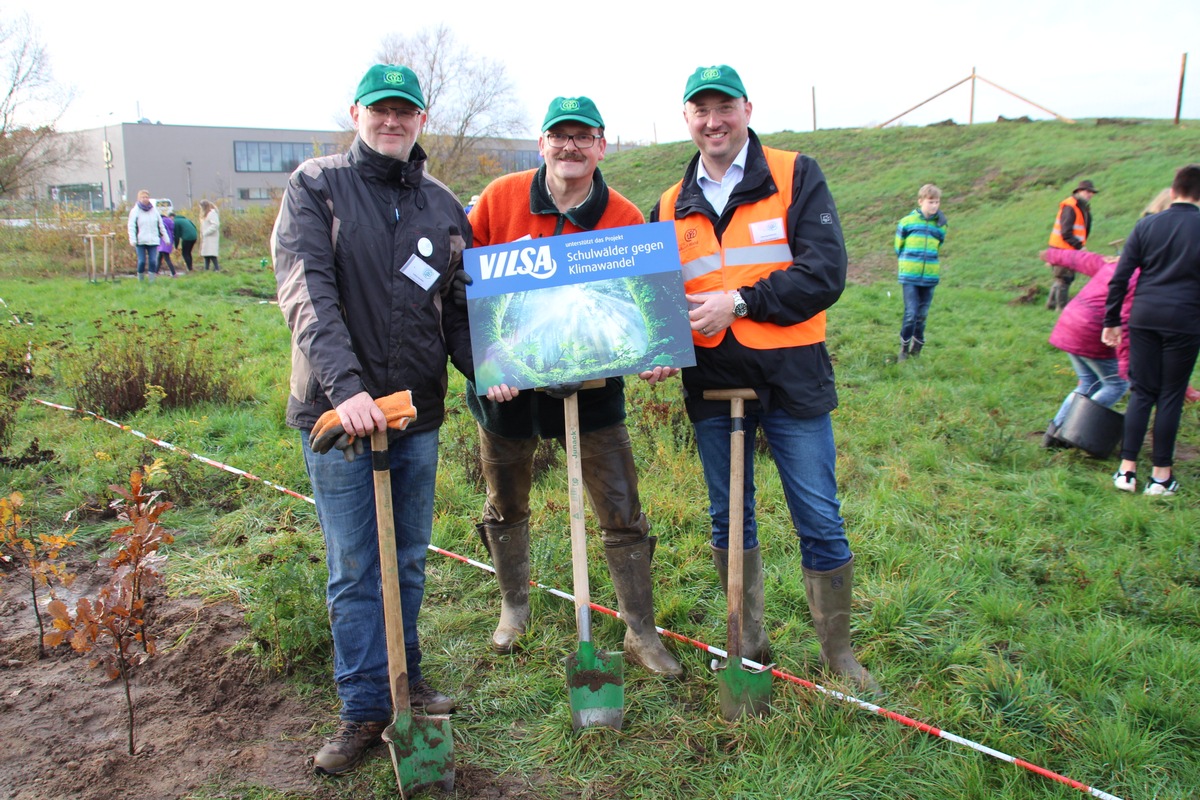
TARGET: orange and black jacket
(1072,225)
(781,352)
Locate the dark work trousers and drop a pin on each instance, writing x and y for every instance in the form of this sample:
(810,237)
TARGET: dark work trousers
(185,247)
(1160,365)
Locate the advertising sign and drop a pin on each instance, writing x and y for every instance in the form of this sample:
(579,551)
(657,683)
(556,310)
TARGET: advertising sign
(595,304)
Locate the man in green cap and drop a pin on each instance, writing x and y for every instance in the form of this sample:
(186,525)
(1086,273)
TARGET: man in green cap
(763,258)
(567,194)
(365,247)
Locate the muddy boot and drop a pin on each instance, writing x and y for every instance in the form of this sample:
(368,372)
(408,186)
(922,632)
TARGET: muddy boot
(509,548)
(629,566)
(755,645)
(904,345)
(829,603)
(914,349)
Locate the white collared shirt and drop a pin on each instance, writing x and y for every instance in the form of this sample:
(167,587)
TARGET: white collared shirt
(717,192)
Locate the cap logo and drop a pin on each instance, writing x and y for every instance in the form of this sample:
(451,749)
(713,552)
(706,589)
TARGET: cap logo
(710,74)
(570,105)
(394,78)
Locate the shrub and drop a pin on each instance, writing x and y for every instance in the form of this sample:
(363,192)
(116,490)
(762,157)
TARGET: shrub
(134,360)
(14,376)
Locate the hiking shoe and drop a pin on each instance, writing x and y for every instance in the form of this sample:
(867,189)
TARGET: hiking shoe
(424,697)
(1125,481)
(1162,488)
(346,747)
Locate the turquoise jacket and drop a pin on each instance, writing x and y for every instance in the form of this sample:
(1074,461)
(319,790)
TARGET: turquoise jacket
(917,243)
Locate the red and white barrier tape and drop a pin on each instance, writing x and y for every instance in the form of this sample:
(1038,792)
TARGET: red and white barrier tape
(716,651)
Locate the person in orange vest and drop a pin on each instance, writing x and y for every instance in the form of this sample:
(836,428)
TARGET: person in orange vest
(763,257)
(1071,228)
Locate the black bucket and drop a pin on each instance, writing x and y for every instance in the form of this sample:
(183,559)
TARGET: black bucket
(1091,427)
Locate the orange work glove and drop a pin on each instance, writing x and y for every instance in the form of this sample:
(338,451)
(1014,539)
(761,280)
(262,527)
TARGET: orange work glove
(328,432)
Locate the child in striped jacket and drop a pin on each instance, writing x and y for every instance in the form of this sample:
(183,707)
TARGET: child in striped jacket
(919,237)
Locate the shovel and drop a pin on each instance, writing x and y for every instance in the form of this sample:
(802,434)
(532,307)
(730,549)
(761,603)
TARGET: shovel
(743,691)
(595,679)
(422,747)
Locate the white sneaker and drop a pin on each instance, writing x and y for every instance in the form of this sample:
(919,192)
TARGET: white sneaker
(1126,481)
(1162,488)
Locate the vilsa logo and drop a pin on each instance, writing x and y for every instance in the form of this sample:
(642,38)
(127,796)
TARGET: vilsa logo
(532,261)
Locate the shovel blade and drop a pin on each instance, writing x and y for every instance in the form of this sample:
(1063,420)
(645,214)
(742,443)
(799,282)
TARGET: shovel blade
(596,688)
(422,750)
(744,692)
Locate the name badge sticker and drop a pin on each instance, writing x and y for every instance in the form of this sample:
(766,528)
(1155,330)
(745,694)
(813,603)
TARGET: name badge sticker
(767,230)
(420,273)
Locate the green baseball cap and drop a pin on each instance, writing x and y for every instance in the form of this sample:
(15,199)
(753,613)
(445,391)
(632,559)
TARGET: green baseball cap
(388,80)
(721,78)
(577,109)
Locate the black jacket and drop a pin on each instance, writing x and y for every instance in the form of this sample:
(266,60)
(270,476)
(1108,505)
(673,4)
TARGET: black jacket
(1166,246)
(798,380)
(348,225)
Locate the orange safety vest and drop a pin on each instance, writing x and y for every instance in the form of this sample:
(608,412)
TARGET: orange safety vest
(1079,229)
(737,259)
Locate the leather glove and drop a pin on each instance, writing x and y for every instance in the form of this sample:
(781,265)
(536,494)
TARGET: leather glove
(456,287)
(561,391)
(328,432)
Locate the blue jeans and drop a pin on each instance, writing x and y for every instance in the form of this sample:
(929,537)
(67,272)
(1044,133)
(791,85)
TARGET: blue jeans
(147,254)
(1099,379)
(804,453)
(345,497)
(917,300)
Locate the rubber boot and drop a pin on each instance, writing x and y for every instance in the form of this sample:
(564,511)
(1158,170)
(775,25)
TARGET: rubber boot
(914,349)
(904,345)
(629,566)
(755,644)
(509,548)
(829,596)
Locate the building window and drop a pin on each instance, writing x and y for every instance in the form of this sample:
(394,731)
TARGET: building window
(258,194)
(276,156)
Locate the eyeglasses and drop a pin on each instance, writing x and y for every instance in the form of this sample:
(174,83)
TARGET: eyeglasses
(582,140)
(401,113)
(723,110)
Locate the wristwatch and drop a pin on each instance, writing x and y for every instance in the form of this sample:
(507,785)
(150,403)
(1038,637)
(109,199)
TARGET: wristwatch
(740,309)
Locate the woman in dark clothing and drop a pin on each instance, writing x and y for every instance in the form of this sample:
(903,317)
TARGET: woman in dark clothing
(1164,328)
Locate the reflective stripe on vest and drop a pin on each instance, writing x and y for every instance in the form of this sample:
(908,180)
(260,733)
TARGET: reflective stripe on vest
(738,260)
(1079,229)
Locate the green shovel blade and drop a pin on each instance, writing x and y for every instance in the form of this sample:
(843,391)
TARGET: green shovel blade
(422,750)
(596,687)
(743,692)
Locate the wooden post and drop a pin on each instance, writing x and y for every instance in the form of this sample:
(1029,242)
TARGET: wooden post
(971,119)
(1179,101)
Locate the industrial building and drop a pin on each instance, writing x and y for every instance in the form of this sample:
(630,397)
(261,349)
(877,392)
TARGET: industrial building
(237,167)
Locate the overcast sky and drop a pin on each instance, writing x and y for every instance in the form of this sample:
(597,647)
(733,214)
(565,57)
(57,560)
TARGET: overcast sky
(276,65)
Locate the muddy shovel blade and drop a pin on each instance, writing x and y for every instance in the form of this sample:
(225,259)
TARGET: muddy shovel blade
(422,750)
(596,688)
(743,692)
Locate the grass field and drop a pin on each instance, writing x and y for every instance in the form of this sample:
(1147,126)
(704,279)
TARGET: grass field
(1006,593)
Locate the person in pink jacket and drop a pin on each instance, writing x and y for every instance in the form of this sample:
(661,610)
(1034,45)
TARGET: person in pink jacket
(1102,371)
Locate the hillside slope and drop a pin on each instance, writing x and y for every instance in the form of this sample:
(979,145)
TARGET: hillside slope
(1001,182)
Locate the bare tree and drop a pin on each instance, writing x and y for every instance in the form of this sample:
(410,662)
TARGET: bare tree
(469,100)
(31,103)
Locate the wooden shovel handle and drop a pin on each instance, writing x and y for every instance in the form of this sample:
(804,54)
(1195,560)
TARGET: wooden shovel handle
(393,619)
(734,587)
(578,527)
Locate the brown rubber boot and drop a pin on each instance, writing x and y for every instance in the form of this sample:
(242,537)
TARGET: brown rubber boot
(346,747)
(904,345)
(629,566)
(829,595)
(755,644)
(509,548)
